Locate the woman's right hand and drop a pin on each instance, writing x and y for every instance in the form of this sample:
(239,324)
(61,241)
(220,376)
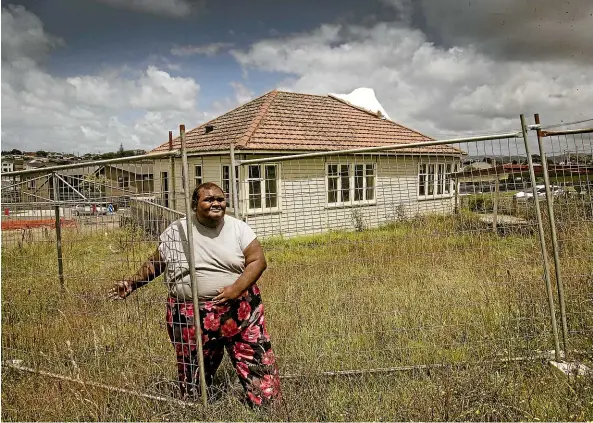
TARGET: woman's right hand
(120,290)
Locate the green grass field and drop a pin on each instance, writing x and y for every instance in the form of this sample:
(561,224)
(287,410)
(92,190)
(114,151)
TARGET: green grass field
(438,291)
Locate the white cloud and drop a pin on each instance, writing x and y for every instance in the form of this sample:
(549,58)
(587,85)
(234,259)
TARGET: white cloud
(158,91)
(170,8)
(440,91)
(86,112)
(205,49)
(242,93)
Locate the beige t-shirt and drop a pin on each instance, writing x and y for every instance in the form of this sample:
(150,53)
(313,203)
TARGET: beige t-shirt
(218,256)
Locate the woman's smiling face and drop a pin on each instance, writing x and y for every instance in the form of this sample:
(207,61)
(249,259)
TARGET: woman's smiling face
(211,206)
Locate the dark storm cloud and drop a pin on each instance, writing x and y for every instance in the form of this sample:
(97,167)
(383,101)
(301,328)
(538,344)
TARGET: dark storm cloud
(169,8)
(522,30)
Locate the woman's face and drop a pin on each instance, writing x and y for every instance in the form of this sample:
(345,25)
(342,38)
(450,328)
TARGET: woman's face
(211,206)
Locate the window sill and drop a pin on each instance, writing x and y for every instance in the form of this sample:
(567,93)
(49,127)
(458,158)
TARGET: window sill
(434,197)
(259,212)
(350,205)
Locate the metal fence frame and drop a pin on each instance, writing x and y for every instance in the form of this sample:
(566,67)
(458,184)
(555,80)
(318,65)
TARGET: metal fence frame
(183,154)
(559,353)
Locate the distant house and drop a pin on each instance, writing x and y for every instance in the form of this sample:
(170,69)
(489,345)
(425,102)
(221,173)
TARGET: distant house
(9,184)
(90,183)
(7,165)
(312,195)
(126,179)
(477,166)
(34,164)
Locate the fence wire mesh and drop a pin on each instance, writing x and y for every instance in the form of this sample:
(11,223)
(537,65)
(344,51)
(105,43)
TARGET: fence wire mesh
(377,261)
(426,256)
(570,168)
(110,218)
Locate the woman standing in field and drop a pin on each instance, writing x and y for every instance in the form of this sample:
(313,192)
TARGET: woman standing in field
(228,262)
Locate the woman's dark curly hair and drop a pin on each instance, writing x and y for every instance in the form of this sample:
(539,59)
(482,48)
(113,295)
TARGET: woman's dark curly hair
(196,194)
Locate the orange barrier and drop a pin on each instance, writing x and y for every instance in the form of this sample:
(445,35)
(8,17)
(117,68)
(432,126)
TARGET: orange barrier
(40,223)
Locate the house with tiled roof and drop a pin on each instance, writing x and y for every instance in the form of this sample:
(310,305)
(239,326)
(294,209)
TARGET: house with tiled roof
(315,194)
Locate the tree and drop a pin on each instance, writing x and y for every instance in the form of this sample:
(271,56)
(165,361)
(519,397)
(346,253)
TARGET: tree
(41,153)
(108,155)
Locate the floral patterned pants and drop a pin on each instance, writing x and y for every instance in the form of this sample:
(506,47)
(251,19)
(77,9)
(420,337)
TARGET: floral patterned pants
(239,327)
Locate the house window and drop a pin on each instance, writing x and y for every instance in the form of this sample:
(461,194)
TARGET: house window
(448,181)
(31,183)
(262,187)
(226,183)
(434,179)
(351,183)
(123,181)
(198,174)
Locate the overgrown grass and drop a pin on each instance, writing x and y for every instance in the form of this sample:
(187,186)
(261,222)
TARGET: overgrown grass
(432,290)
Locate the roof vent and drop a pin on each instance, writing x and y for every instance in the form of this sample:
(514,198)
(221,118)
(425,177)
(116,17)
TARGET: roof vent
(209,128)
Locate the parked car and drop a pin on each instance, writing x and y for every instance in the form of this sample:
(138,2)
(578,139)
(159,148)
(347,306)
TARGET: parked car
(584,188)
(541,192)
(88,210)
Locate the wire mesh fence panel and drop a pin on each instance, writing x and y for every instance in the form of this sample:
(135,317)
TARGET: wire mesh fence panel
(570,169)
(56,315)
(407,258)
(399,258)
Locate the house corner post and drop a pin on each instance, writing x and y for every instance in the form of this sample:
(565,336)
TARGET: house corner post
(191,263)
(542,241)
(555,248)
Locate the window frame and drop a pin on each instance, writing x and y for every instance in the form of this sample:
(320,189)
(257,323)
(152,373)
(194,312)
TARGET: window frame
(442,183)
(228,197)
(262,179)
(196,177)
(351,202)
(123,182)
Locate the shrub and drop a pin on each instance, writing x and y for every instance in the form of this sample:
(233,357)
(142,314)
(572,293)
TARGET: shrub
(480,203)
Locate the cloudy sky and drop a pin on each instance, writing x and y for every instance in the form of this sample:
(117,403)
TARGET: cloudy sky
(86,75)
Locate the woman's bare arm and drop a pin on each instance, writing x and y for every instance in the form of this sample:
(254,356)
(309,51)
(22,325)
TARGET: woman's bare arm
(150,270)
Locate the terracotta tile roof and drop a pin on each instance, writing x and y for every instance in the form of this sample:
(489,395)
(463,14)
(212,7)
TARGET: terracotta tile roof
(289,121)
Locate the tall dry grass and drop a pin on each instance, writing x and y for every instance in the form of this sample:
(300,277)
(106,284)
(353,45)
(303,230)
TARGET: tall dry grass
(440,291)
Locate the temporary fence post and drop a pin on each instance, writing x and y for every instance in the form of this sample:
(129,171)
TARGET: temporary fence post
(456,209)
(495,200)
(233,187)
(542,242)
(550,204)
(58,231)
(191,262)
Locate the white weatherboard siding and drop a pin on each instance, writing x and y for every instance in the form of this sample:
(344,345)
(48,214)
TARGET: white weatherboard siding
(303,194)
(211,172)
(304,208)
